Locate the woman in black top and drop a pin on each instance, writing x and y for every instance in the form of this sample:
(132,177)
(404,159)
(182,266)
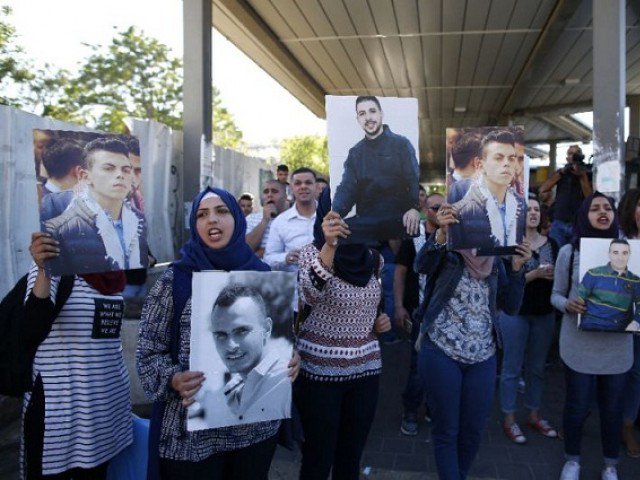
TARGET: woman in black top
(527,336)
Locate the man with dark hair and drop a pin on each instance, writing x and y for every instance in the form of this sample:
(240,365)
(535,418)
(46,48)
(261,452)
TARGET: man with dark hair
(380,179)
(136,198)
(465,153)
(64,162)
(573,184)
(519,180)
(282,174)
(100,231)
(611,293)
(257,385)
(321,184)
(246,203)
(490,214)
(274,202)
(408,293)
(293,229)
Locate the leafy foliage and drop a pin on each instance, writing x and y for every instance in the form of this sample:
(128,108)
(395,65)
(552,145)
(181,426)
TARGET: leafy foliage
(134,75)
(14,69)
(306,151)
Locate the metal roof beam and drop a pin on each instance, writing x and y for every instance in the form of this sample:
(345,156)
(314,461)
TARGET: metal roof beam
(576,130)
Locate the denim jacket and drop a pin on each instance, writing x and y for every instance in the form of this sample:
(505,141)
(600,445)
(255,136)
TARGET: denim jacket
(506,288)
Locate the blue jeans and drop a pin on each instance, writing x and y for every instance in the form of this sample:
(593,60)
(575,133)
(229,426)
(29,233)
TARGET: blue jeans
(632,389)
(561,232)
(610,390)
(459,397)
(413,394)
(526,340)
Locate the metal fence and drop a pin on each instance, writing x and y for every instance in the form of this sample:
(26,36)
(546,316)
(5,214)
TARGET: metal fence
(162,179)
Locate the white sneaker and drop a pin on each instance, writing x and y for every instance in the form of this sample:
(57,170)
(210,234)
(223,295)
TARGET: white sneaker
(571,471)
(610,473)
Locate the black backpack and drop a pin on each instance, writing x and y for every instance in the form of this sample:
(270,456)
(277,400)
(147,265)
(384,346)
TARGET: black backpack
(21,334)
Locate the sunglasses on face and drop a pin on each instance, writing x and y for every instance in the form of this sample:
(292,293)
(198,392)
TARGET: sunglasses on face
(435,208)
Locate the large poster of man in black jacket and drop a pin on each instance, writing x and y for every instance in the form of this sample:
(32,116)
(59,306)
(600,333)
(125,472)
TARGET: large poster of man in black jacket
(374,177)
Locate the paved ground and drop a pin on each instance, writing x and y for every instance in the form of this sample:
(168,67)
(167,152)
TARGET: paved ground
(392,456)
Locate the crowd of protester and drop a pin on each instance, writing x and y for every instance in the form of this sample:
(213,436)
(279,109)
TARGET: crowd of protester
(459,311)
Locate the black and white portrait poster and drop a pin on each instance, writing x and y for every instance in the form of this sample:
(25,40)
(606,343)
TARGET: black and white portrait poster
(90,200)
(242,340)
(609,285)
(373,164)
(487,185)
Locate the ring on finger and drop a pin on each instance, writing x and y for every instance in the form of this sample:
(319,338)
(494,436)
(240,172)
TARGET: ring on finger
(332,222)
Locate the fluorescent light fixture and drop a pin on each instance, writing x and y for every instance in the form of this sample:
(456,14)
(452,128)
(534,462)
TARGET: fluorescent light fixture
(571,81)
(459,109)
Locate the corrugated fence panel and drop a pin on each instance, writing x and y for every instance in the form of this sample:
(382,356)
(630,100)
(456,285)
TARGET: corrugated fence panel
(238,173)
(161,154)
(18,198)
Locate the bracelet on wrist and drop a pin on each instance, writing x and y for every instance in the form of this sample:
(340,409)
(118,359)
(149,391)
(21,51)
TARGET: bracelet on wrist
(436,238)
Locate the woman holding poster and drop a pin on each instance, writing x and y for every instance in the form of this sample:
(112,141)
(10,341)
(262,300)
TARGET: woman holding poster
(217,242)
(457,341)
(338,389)
(77,417)
(593,360)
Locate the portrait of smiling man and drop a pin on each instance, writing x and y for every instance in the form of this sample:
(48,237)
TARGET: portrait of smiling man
(380,176)
(611,292)
(255,382)
(490,214)
(100,230)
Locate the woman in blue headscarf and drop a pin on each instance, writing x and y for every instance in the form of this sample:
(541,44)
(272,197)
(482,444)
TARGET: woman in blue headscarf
(217,242)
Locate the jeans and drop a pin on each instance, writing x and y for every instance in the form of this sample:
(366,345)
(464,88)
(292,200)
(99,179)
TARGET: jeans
(459,397)
(632,389)
(336,418)
(526,340)
(248,463)
(561,232)
(610,390)
(413,394)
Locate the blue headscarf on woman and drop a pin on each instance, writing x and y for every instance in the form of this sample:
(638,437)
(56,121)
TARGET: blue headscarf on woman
(195,255)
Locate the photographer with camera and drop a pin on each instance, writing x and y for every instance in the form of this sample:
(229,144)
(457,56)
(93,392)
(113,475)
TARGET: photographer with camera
(573,184)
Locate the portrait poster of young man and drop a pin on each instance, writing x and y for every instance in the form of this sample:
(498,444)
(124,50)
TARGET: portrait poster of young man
(487,184)
(91,202)
(373,164)
(241,339)
(609,285)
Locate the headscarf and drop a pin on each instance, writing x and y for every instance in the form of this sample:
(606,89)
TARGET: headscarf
(195,255)
(352,263)
(582,227)
(478,267)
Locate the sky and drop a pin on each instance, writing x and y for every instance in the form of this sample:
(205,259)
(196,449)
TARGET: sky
(54,32)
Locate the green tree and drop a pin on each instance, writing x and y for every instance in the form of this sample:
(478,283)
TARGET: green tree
(134,75)
(306,151)
(225,131)
(14,68)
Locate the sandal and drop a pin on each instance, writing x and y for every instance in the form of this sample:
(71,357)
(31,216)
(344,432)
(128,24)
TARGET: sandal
(514,433)
(543,427)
